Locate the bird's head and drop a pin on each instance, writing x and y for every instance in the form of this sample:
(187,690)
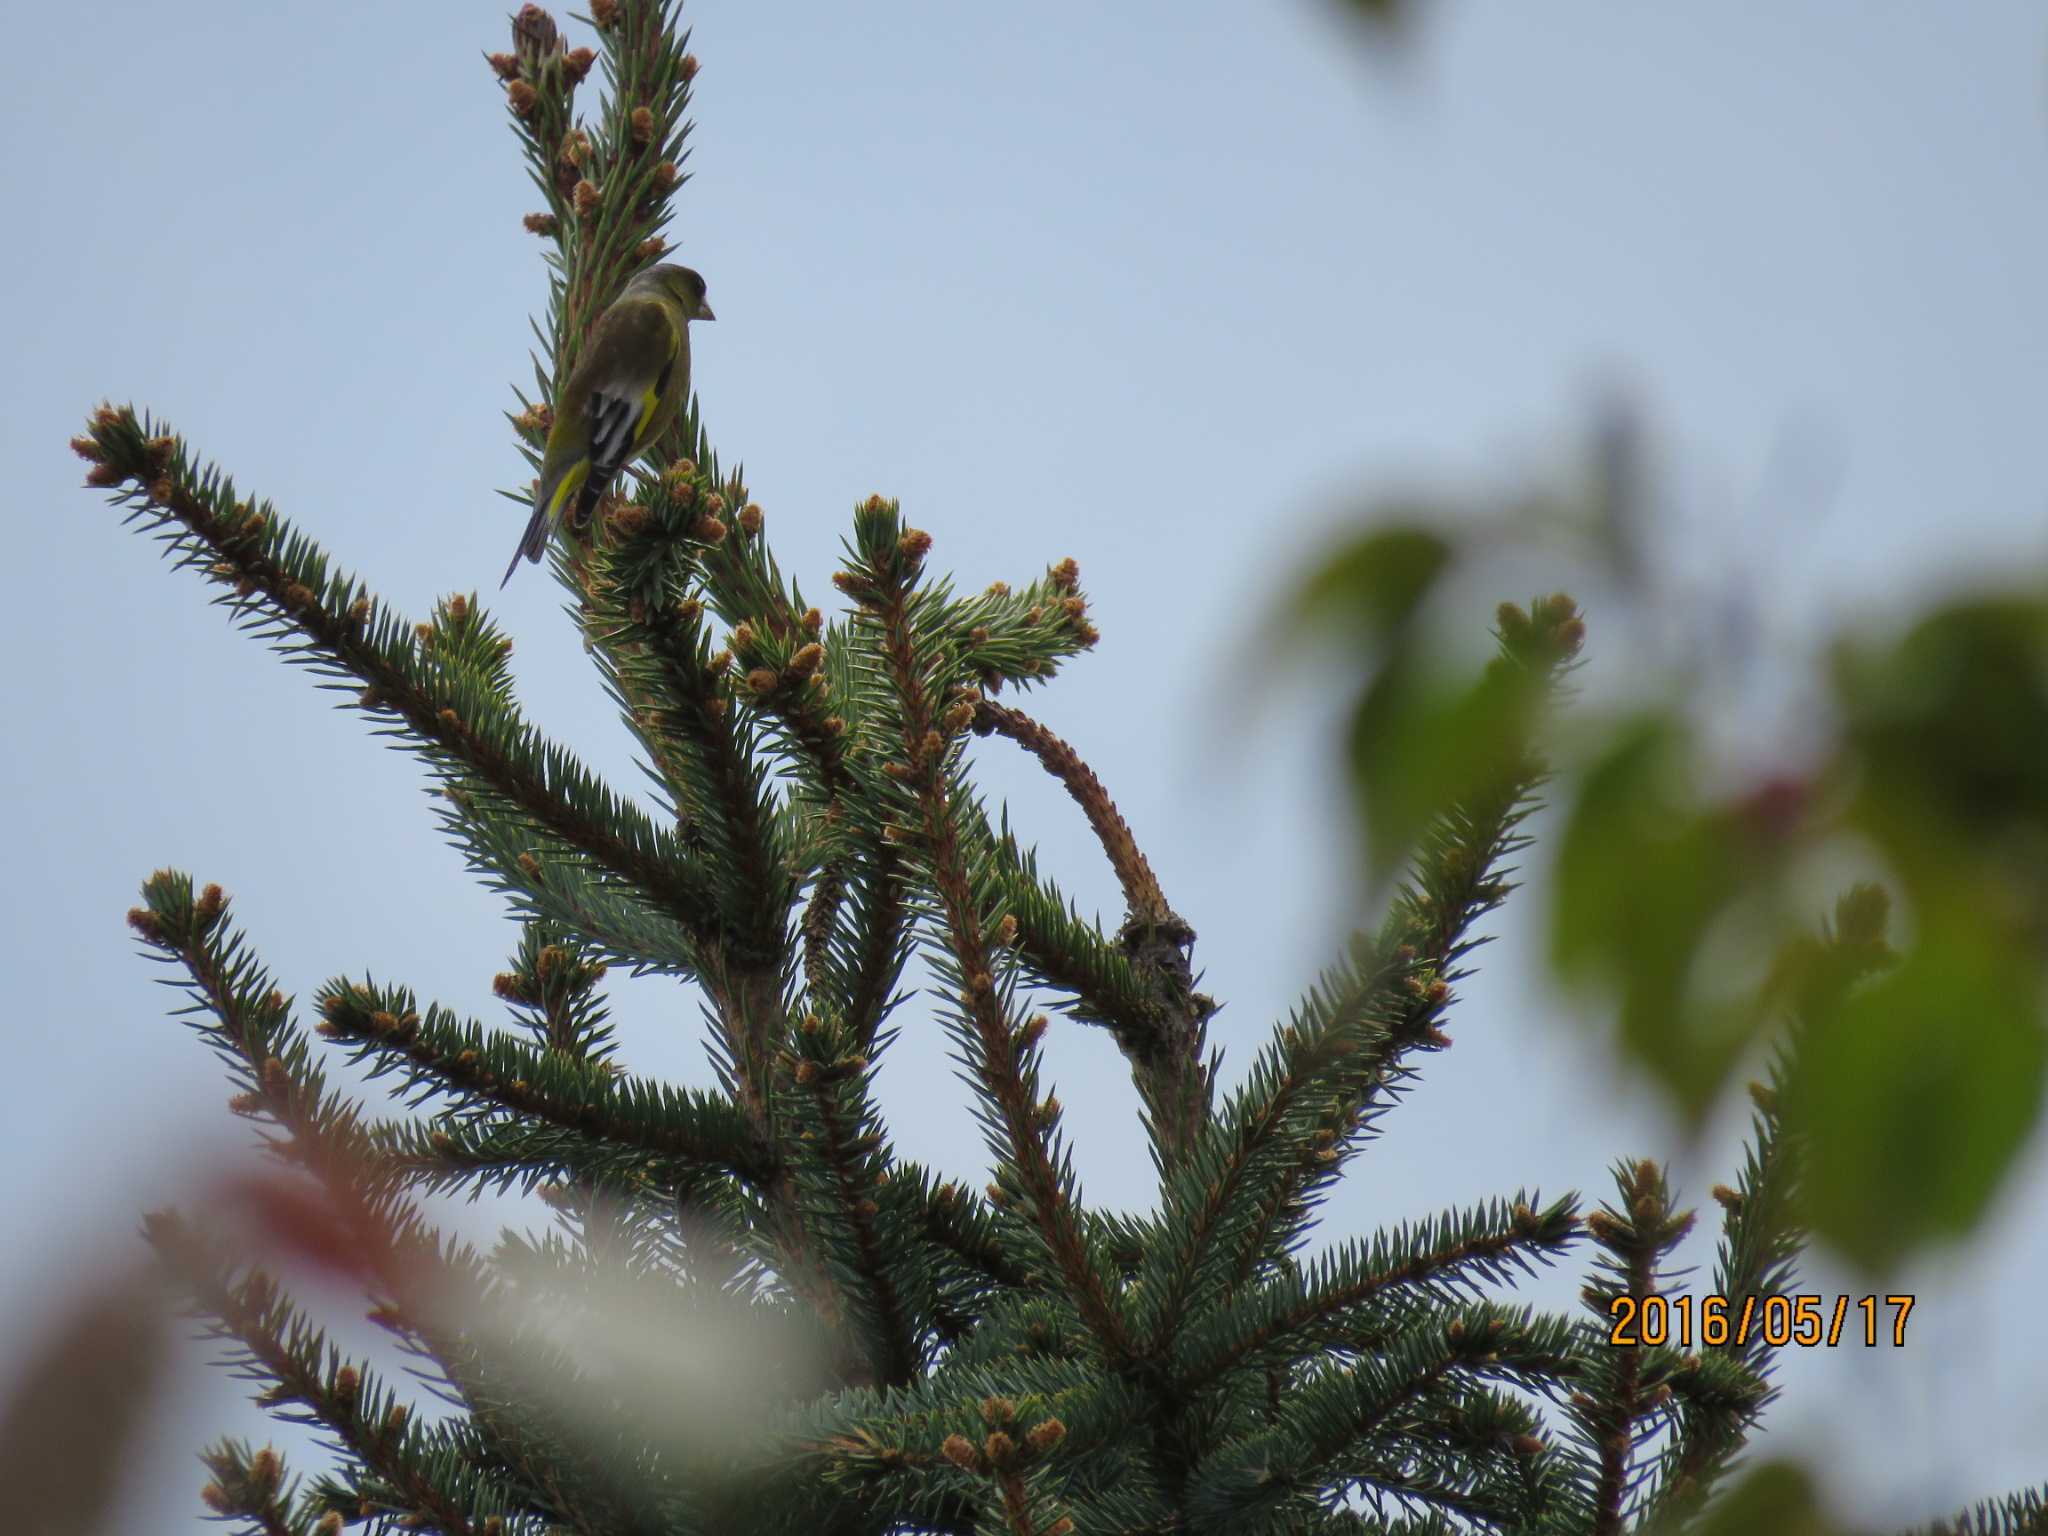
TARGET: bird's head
(680,284)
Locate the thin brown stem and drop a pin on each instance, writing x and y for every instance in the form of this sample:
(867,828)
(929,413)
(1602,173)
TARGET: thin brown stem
(1142,895)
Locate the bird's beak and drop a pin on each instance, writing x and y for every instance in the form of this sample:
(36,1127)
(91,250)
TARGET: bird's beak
(704,312)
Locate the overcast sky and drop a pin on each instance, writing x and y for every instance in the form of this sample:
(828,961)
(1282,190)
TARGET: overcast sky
(1174,289)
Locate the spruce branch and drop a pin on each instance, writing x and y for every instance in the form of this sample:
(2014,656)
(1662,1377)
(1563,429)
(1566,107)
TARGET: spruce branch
(1359,1291)
(657,662)
(1032,1170)
(1166,1050)
(254,1486)
(958,1222)
(842,1170)
(553,982)
(2017,1514)
(1265,1479)
(919,1453)
(1626,1397)
(485,1072)
(407,1267)
(1017,636)
(278,1346)
(1142,895)
(277,583)
(1761,1235)
(1061,950)
(1249,1185)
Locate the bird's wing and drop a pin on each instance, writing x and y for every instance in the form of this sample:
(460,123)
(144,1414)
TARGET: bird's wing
(630,362)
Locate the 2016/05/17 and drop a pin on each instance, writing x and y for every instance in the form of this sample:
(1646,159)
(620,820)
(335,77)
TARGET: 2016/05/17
(1777,1320)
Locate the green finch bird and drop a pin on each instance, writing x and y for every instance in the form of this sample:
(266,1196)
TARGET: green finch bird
(632,378)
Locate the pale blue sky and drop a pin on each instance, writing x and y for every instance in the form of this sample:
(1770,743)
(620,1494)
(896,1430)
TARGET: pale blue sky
(1170,288)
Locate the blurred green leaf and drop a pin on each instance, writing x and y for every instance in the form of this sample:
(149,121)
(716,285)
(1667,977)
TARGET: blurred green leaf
(1418,747)
(1777,1497)
(1949,730)
(1917,1093)
(1643,875)
(1374,583)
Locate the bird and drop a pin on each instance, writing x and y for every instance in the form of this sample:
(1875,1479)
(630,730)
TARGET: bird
(628,385)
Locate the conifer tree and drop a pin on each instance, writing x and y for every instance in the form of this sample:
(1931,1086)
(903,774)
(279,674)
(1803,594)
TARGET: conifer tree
(906,1354)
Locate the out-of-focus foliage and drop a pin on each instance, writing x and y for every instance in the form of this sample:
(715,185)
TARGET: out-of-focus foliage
(1686,900)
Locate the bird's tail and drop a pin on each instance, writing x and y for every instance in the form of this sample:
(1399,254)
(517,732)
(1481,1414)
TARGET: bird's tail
(534,542)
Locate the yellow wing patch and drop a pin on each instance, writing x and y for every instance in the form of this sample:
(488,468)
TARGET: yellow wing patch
(572,482)
(648,403)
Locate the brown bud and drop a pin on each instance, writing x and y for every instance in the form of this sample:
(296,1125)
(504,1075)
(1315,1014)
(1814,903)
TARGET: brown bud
(959,1450)
(576,64)
(763,681)
(664,176)
(207,910)
(689,67)
(267,1471)
(586,200)
(997,1410)
(1066,575)
(914,545)
(522,98)
(1046,1434)
(506,65)
(603,14)
(751,518)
